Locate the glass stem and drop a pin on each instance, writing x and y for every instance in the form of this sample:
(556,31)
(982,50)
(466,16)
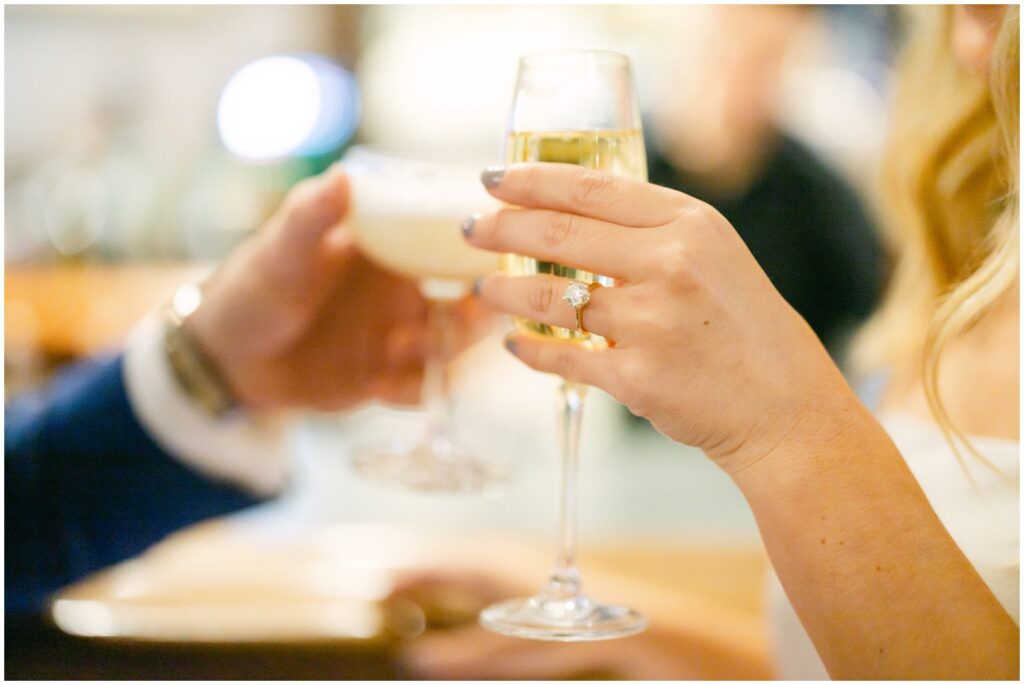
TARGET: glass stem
(437,395)
(564,582)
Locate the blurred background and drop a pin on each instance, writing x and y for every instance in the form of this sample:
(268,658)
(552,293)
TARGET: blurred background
(144,142)
(165,135)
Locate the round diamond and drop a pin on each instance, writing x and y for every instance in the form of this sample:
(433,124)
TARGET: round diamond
(576,295)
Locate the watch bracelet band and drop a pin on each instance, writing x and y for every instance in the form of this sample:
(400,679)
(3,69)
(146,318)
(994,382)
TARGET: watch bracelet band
(194,371)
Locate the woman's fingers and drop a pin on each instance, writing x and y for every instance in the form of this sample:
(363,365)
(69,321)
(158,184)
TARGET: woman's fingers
(539,298)
(586,192)
(570,239)
(569,360)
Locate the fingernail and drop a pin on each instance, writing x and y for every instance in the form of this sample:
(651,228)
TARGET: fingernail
(469,223)
(492,175)
(511,344)
(476,287)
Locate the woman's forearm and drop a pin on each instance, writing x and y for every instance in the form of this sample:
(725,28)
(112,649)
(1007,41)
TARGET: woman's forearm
(708,351)
(879,584)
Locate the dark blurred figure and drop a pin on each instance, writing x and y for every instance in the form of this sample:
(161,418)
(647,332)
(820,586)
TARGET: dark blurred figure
(807,229)
(717,139)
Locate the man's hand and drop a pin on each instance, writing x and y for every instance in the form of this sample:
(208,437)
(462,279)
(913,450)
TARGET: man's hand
(296,317)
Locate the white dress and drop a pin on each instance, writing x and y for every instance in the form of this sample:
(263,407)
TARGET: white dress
(983,518)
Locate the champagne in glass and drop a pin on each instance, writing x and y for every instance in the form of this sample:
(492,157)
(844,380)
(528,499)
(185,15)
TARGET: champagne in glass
(617,152)
(406,216)
(576,107)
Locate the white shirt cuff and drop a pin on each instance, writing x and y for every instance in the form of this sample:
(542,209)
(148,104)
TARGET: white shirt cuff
(243,450)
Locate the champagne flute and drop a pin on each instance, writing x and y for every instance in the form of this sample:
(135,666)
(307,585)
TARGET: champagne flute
(406,216)
(577,107)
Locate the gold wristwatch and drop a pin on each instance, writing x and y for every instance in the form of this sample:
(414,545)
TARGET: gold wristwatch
(193,369)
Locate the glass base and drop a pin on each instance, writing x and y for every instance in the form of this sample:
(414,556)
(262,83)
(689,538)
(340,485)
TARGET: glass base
(435,466)
(575,619)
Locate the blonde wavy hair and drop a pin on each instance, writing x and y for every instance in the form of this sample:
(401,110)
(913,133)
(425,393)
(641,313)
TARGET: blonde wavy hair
(950,201)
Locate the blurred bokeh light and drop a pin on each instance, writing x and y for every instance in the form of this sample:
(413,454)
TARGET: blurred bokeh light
(285,105)
(269,107)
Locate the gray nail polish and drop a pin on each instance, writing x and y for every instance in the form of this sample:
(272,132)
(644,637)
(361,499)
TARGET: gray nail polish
(469,223)
(476,287)
(511,344)
(492,175)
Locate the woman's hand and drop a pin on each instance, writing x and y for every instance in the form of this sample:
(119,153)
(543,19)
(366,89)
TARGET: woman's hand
(701,343)
(297,317)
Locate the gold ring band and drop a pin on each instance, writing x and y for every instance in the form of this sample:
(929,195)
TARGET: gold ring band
(579,310)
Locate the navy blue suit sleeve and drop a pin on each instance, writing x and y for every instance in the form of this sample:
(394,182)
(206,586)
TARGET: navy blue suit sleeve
(86,487)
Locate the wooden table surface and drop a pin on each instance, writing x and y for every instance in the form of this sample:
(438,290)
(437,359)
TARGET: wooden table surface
(321,602)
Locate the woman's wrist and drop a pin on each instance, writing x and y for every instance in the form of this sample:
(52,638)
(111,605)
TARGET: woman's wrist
(833,425)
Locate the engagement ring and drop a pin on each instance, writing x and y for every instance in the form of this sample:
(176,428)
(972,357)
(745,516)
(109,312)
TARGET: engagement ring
(577,296)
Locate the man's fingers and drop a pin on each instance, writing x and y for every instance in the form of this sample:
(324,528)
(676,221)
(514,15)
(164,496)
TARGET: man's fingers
(402,389)
(311,209)
(406,345)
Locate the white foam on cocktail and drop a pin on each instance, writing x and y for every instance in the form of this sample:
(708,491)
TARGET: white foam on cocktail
(408,215)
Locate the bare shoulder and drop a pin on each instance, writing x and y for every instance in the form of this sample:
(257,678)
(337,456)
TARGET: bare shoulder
(979,377)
